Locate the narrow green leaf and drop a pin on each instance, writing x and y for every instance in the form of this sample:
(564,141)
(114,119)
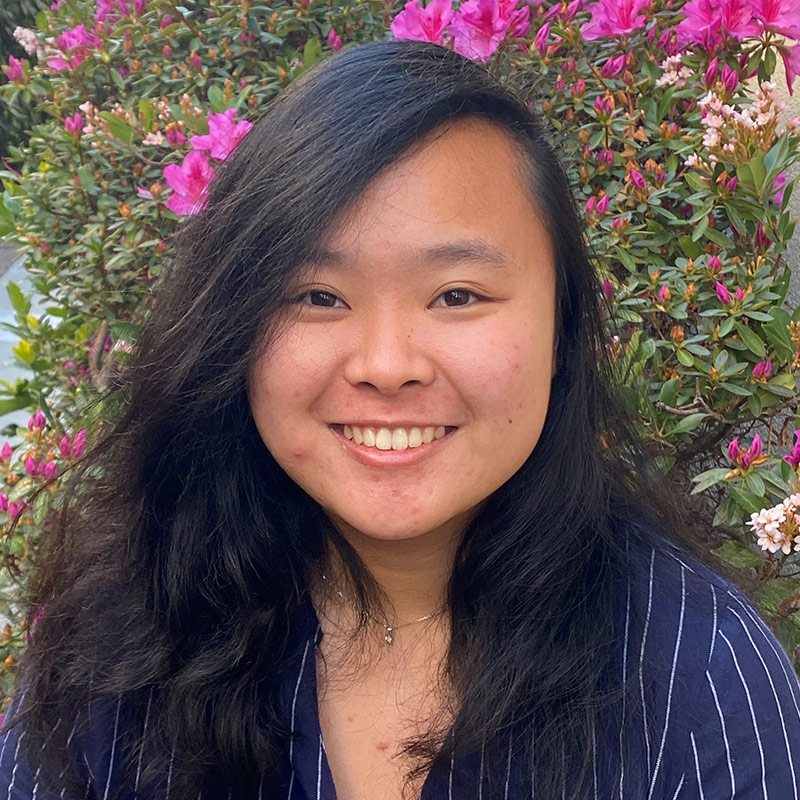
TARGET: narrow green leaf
(20,303)
(748,502)
(751,339)
(688,424)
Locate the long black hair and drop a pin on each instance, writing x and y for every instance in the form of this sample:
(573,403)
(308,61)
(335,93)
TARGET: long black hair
(172,576)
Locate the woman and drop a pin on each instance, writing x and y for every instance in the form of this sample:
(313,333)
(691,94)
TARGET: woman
(356,533)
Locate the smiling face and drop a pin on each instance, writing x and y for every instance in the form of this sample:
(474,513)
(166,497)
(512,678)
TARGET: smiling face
(412,376)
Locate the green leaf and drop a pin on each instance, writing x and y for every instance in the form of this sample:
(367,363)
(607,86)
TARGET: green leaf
(625,257)
(86,178)
(751,339)
(687,424)
(146,112)
(118,128)
(739,391)
(20,303)
(701,228)
(754,405)
(718,237)
(689,246)
(685,358)
(748,502)
(753,483)
(216,99)
(773,593)
(739,555)
(708,478)
(10,404)
(669,391)
(312,52)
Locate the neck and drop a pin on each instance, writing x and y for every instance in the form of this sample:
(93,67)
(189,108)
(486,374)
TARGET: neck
(413,574)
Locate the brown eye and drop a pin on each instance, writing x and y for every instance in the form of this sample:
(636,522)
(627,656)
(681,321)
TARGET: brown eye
(324,299)
(456,297)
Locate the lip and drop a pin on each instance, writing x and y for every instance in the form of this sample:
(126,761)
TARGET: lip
(371,456)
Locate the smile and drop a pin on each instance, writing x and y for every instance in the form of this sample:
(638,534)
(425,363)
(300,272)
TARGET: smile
(393,438)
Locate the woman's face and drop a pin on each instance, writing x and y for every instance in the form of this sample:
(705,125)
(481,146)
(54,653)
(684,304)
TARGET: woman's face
(432,313)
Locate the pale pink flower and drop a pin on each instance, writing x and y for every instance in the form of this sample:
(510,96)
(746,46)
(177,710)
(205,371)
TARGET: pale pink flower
(189,183)
(156,138)
(423,24)
(614,18)
(223,136)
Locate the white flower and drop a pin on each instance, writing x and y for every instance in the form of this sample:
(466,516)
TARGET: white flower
(154,138)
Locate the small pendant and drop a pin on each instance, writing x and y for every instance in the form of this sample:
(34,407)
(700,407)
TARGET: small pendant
(388,636)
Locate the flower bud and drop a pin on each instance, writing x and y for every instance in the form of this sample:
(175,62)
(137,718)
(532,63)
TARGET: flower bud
(664,294)
(712,71)
(590,204)
(602,204)
(734,451)
(6,452)
(722,293)
(755,447)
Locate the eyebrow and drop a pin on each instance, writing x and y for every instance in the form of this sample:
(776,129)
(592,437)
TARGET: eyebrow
(476,251)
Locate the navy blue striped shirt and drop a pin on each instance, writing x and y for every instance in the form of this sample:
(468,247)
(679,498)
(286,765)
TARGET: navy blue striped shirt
(724,721)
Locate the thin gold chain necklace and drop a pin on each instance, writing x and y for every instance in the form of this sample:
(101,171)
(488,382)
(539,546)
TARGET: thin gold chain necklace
(388,637)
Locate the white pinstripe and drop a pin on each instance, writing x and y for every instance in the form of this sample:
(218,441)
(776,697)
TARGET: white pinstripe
(624,683)
(113,751)
(697,766)
(713,626)
(319,768)
(480,771)
(16,764)
(752,713)
(671,684)
(775,695)
(679,787)
(450,776)
(641,657)
(724,731)
(294,709)
(141,752)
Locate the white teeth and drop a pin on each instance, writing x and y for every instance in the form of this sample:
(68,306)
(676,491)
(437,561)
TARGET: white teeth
(383,439)
(395,439)
(399,439)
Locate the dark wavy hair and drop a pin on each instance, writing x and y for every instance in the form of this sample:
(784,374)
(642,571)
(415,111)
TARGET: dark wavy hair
(183,553)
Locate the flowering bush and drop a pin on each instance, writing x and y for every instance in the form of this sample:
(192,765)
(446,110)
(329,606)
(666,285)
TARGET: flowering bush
(668,120)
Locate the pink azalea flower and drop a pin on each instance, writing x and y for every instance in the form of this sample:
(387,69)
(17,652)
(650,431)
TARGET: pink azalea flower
(189,183)
(590,204)
(334,40)
(794,457)
(540,40)
(64,447)
(175,136)
(74,125)
(702,24)
(14,70)
(714,263)
(30,465)
(613,66)
(614,18)
(602,204)
(637,179)
(425,24)
(791,62)
(478,29)
(781,16)
(37,421)
(763,369)
(223,136)
(79,443)
(723,294)
(76,44)
(737,18)
(664,294)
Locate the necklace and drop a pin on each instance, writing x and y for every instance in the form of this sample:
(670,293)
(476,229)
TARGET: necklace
(388,637)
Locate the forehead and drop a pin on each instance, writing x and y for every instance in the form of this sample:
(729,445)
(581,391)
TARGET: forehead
(463,192)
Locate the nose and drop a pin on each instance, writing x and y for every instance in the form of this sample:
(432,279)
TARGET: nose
(388,355)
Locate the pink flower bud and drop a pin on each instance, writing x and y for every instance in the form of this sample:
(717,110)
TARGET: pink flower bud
(197,62)
(580,87)
(74,125)
(602,204)
(714,264)
(15,69)
(744,459)
(334,40)
(732,184)
(37,421)
(794,457)
(3,503)
(166,51)
(79,443)
(608,289)
(613,66)
(590,204)
(50,470)
(739,293)
(616,223)
(560,85)
(165,22)
(540,40)
(30,465)
(762,240)
(722,293)
(734,451)
(755,447)
(637,179)
(64,447)
(175,137)
(606,156)
(712,71)
(664,294)
(6,452)
(730,79)
(13,510)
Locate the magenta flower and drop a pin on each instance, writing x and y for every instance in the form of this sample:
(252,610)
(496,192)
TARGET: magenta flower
(791,62)
(37,421)
(734,451)
(780,16)
(755,447)
(739,293)
(223,136)
(15,69)
(722,293)
(794,457)
(30,465)
(602,106)
(175,136)
(423,24)
(730,79)
(605,156)
(714,264)
(189,183)
(737,18)
(614,18)
(608,289)
(334,40)
(664,294)
(165,22)
(74,125)
(637,179)
(64,447)
(6,452)
(76,45)
(602,204)
(763,369)
(540,40)
(79,443)
(712,71)
(590,204)
(479,27)
(613,66)
(50,470)
(3,502)
(732,184)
